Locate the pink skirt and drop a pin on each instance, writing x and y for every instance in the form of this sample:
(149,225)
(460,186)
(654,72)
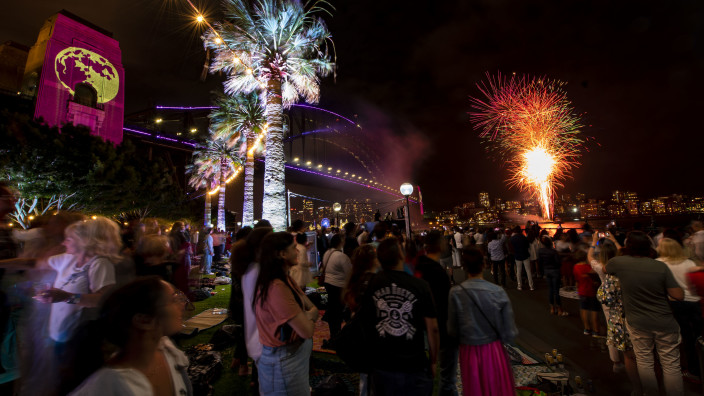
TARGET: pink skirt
(486,370)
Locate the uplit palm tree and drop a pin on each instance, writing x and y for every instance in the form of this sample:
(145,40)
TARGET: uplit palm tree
(280,48)
(238,120)
(197,180)
(216,161)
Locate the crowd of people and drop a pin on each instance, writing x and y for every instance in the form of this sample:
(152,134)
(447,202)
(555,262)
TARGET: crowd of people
(107,296)
(87,305)
(417,326)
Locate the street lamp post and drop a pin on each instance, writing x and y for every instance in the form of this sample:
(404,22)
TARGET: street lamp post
(336,207)
(407,190)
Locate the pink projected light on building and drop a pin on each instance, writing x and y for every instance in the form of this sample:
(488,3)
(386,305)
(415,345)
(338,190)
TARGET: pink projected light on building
(75,71)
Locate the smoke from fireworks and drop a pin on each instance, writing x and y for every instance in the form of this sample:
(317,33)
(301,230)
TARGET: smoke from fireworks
(529,124)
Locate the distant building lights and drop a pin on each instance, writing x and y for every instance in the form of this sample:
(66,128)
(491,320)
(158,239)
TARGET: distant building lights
(158,120)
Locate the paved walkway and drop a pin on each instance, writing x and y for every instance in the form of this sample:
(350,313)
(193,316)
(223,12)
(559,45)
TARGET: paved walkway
(540,332)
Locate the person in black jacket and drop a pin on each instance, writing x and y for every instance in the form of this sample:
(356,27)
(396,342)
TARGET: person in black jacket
(550,261)
(429,269)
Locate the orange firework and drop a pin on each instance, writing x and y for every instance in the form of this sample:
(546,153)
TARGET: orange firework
(530,124)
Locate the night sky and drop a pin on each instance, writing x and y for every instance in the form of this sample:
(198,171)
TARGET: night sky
(633,69)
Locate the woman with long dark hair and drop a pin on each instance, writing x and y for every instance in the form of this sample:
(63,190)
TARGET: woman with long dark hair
(137,319)
(364,265)
(285,320)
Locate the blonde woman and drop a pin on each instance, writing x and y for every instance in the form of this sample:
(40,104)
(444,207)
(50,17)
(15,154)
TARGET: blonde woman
(83,274)
(687,312)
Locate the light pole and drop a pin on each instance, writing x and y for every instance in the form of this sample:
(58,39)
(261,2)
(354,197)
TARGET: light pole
(407,190)
(336,207)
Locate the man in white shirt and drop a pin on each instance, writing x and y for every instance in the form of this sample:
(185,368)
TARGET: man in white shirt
(457,249)
(696,242)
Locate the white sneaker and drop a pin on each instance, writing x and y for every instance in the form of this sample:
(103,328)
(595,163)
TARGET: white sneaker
(519,288)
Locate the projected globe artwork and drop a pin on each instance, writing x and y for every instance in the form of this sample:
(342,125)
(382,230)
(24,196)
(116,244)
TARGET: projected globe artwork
(78,65)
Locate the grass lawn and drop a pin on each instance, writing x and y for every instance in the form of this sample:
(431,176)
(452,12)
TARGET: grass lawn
(228,383)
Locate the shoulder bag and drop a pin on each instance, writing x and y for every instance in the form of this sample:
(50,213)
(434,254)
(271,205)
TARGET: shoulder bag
(482,312)
(321,277)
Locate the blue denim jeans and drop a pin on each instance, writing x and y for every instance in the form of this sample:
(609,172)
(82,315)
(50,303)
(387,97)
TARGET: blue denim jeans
(207,263)
(447,364)
(284,370)
(390,383)
(553,277)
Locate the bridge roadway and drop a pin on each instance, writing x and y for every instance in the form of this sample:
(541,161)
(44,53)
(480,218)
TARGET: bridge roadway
(540,332)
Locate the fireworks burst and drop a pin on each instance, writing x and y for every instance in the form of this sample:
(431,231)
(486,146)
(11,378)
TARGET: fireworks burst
(530,125)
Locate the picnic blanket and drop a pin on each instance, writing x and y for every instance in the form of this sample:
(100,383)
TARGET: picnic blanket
(204,320)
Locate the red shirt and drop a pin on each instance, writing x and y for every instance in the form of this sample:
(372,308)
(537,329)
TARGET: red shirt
(696,279)
(585,283)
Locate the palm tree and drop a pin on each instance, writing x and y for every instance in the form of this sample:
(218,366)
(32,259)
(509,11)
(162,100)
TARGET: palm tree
(197,180)
(216,161)
(238,120)
(280,48)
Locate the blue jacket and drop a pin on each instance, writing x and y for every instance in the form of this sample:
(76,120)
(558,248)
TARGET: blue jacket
(468,325)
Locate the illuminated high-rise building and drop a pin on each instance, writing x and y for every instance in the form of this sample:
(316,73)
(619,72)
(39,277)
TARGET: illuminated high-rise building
(484,199)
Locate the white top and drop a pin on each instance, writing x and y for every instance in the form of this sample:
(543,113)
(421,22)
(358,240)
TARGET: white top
(91,277)
(301,272)
(115,382)
(130,382)
(697,243)
(458,240)
(534,247)
(680,270)
(338,267)
(479,238)
(251,333)
(362,238)
(563,246)
(599,269)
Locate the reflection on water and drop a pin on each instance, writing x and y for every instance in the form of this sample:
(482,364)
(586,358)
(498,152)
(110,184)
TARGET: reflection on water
(627,223)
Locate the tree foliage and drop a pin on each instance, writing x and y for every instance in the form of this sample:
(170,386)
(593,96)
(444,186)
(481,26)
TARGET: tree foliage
(72,168)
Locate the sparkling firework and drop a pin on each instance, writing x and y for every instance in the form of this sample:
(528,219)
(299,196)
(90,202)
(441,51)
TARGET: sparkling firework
(530,125)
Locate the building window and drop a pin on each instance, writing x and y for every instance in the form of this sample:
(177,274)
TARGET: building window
(86,95)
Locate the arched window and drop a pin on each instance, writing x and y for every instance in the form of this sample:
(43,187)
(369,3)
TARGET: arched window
(86,95)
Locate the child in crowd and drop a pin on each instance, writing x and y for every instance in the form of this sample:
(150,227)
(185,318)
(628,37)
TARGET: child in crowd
(586,288)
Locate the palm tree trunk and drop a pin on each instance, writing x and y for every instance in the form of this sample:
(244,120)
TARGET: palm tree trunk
(207,215)
(248,207)
(221,195)
(274,203)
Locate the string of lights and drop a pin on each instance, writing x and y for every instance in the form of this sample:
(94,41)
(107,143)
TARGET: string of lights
(330,176)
